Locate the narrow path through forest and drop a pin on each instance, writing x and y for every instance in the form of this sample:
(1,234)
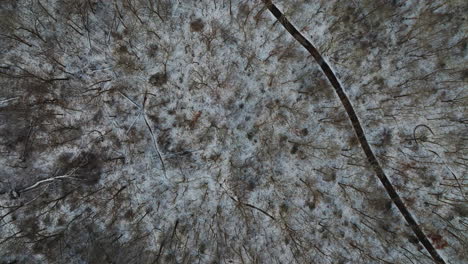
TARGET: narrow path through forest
(357,129)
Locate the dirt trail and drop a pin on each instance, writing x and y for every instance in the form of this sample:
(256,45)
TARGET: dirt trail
(358,130)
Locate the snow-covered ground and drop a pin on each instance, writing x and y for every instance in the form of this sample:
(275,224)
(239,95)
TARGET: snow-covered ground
(202,132)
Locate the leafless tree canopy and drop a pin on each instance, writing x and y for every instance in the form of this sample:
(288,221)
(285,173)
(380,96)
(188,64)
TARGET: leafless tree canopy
(179,131)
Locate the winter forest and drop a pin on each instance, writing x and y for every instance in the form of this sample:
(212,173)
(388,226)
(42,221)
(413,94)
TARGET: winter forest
(233,131)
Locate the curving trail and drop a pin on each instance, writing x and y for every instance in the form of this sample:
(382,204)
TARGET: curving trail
(358,130)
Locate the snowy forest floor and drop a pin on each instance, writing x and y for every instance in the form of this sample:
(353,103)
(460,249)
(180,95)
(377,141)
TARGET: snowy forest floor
(183,131)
